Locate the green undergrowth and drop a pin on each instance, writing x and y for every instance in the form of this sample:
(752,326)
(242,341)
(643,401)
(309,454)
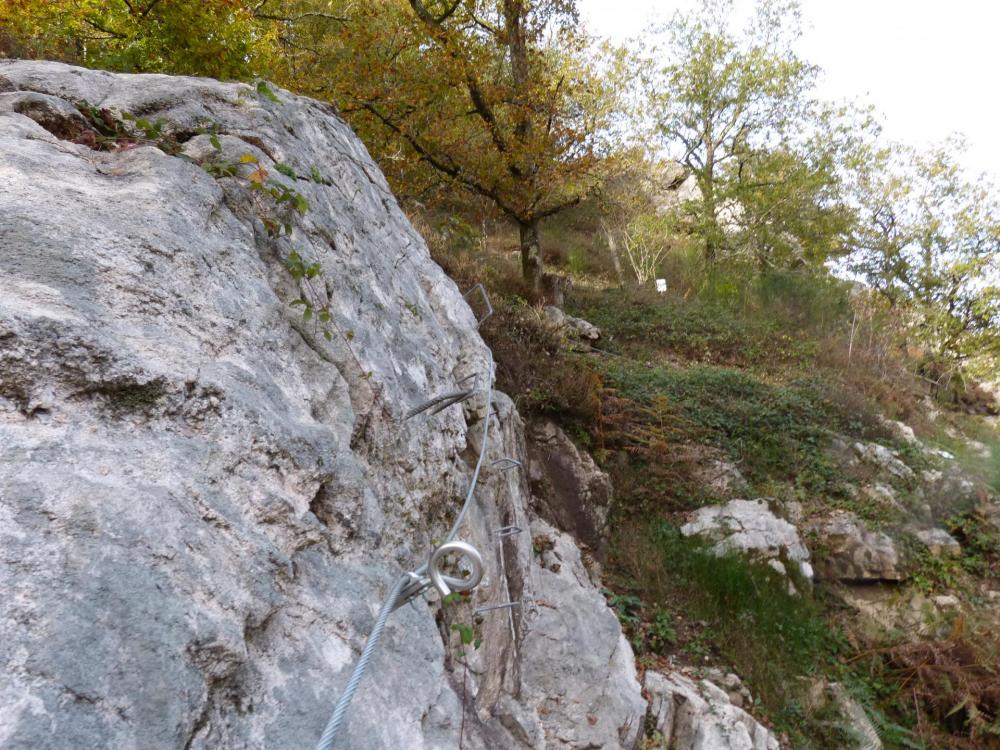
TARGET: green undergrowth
(762,370)
(770,430)
(677,600)
(729,317)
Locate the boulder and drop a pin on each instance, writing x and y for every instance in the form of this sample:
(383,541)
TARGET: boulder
(850,552)
(901,431)
(749,527)
(574,328)
(698,715)
(938,542)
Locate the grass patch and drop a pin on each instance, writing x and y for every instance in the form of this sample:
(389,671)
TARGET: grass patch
(738,611)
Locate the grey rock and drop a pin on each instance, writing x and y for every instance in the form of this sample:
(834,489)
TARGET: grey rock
(698,715)
(203,501)
(569,326)
(577,666)
(884,459)
(901,431)
(749,527)
(950,491)
(851,552)
(738,693)
(883,610)
(939,542)
(880,493)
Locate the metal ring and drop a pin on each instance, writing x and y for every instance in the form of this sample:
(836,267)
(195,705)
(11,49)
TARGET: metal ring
(446,584)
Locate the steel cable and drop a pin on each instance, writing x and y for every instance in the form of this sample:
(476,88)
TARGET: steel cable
(343,704)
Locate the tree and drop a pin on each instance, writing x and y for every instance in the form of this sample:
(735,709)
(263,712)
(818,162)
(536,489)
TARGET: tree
(496,97)
(724,98)
(635,214)
(226,39)
(929,239)
(794,203)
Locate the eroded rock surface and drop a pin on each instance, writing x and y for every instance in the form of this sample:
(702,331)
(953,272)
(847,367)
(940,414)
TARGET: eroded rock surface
(572,492)
(203,501)
(569,326)
(853,553)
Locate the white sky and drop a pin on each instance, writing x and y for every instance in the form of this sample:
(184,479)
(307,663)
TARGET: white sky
(930,67)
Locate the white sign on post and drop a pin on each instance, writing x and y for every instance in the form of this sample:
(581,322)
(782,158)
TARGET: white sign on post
(661,285)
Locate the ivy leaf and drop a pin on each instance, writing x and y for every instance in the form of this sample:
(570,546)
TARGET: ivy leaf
(307,313)
(258,176)
(327,335)
(301,204)
(285,170)
(324,316)
(465,632)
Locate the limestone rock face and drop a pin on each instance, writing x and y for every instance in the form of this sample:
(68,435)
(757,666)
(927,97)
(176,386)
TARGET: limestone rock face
(749,526)
(572,492)
(203,500)
(570,641)
(691,715)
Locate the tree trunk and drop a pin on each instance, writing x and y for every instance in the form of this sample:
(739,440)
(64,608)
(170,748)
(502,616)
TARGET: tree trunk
(708,197)
(531,257)
(613,249)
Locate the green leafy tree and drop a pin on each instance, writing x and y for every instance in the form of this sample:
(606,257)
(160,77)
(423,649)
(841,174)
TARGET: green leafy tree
(793,201)
(729,102)
(929,240)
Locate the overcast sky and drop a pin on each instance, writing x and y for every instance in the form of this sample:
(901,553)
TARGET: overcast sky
(931,67)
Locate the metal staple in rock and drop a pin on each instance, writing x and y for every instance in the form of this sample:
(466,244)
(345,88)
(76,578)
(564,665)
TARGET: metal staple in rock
(412,584)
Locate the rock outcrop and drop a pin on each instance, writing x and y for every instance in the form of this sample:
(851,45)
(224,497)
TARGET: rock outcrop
(570,490)
(203,496)
(749,527)
(699,715)
(567,325)
(853,553)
